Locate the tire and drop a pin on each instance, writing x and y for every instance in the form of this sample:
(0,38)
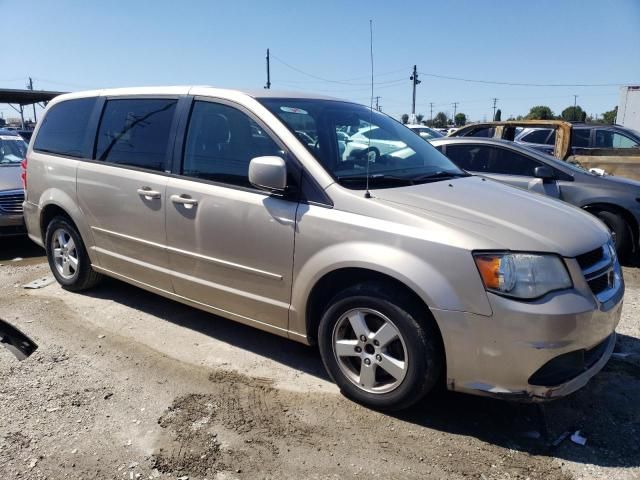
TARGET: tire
(381,385)
(620,230)
(68,257)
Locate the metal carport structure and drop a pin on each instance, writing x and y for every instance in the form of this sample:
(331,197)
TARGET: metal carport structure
(18,99)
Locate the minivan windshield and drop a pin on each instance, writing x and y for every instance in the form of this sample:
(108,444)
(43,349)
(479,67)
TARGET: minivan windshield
(344,137)
(12,149)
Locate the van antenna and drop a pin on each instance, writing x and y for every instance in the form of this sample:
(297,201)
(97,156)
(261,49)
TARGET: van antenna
(367,194)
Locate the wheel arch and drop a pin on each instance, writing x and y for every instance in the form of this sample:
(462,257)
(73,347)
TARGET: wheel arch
(335,281)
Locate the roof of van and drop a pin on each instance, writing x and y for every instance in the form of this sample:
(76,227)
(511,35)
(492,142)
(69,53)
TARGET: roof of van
(186,89)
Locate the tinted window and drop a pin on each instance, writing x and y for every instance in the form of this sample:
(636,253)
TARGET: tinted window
(611,139)
(135,132)
(537,136)
(489,159)
(580,137)
(12,149)
(482,132)
(221,141)
(63,128)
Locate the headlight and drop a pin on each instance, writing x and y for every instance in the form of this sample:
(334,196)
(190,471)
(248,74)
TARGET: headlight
(522,275)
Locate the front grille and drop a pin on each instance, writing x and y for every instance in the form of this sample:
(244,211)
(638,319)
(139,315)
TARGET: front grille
(589,259)
(599,284)
(11,202)
(599,270)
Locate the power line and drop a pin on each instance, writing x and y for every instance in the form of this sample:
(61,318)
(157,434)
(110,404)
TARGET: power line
(329,80)
(518,84)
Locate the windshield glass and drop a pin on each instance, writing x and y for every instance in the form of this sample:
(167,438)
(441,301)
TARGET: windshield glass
(343,137)
(12,149)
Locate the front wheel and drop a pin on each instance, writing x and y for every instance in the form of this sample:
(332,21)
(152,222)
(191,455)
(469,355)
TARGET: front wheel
(620,232)
(380,348)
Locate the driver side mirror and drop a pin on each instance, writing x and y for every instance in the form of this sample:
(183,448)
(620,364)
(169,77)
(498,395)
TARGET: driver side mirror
(268,173)
(544,173)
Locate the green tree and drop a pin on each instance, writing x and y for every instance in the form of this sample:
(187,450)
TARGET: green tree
(574,114)
(540,112)
(405,118)
(419,117)
(610,116)
(460,119)
(440,120)
(498,116)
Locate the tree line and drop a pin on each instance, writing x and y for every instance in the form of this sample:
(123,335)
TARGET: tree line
(538,112)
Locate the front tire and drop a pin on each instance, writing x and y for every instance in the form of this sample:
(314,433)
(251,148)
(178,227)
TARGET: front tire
(620,230)
(68,257)
(380,348)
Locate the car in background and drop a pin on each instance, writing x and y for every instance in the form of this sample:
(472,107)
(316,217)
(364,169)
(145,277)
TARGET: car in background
(614,200)
(25,134)
(609,148)
(375,141)
(12,151)
(425,132)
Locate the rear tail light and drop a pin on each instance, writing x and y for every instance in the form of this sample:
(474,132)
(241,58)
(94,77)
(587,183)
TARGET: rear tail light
(23,173)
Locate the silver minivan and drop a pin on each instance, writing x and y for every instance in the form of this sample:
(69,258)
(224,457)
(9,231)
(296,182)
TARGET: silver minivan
(404,270)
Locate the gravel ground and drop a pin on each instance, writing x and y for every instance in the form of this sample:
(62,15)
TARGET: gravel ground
(128,385)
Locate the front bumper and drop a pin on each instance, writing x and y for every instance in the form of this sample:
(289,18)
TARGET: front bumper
(531,351)
(11,224)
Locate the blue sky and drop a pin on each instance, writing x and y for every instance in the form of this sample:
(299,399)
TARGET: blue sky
(76,45)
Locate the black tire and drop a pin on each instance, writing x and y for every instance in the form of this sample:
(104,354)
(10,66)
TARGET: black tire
(619,229)
(83,277)
(424,351)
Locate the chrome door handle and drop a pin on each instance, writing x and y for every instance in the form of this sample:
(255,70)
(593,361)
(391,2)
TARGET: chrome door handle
(183,200)
(146,192)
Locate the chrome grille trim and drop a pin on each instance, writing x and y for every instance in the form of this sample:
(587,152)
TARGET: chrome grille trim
(605,272)
(11,201)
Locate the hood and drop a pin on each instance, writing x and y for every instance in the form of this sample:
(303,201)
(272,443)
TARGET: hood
(10,177)
(498,216)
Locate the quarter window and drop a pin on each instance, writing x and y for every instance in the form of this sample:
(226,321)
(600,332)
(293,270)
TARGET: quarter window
(64,127)
(221,141)
(135,132)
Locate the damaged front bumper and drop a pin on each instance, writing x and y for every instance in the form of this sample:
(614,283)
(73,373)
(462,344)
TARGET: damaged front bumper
(532,351)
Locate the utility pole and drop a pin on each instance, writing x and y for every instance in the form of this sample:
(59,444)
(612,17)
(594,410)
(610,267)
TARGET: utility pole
(431,111)
(30,87)
(268,85)
(378,103)
(575,103)
(455,106)
(495,100)
(416,82)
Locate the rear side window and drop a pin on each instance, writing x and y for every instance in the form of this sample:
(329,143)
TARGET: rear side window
(135,132)
(63,130)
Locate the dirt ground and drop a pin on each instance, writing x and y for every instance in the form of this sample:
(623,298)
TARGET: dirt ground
(128,385)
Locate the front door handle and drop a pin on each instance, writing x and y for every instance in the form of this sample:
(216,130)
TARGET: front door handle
(184,200)
(147,193)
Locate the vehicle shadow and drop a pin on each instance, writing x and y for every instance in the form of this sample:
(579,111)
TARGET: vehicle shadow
(278,349)
(605,411)
(22,248)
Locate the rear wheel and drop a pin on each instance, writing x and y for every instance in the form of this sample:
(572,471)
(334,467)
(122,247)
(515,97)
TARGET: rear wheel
(68,257)
(379,347)
(620,231)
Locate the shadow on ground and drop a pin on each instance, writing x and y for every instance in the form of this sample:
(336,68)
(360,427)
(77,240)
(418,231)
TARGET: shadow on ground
(12,248)
(606,411)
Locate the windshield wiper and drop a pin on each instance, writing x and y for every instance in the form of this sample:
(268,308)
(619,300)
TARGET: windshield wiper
(375,179)
(440,175)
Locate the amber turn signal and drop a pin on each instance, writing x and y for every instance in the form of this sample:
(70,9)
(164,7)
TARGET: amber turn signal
(489,268)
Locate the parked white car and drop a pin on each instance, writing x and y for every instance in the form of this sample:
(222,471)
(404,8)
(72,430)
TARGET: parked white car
(375,140)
